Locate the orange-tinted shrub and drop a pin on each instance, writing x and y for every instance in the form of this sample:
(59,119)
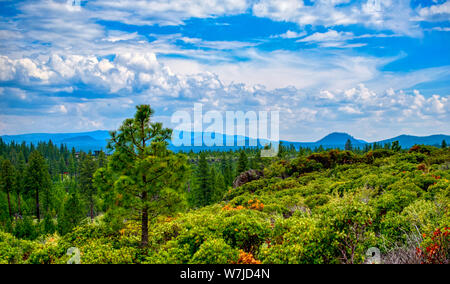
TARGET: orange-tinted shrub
(435,249)
(246,258)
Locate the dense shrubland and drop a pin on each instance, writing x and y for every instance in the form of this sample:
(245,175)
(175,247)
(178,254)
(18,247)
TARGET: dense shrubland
(309,207)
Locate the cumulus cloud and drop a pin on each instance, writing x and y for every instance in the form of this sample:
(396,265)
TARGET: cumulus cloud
(135,78)
(396,16)
(61,68)
(436,12)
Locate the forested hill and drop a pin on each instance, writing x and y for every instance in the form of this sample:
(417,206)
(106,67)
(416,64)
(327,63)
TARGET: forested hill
(96,140)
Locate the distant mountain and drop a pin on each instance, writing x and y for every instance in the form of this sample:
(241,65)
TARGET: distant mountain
(97,140)
(338,139)
(94,140)
(79,139)
(407,141)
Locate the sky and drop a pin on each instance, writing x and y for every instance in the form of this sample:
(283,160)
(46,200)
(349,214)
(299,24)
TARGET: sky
(372,68)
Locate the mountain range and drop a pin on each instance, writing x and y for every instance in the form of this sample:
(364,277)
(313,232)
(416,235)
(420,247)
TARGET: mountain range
(97,140)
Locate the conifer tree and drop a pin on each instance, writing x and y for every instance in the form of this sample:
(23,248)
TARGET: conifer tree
(20,181)
(219,187)
(242,162)
(281,151)
(102,159)
(444,144)
(145,173)
(88,166)
(228,171)
(37,178)
(7,182)
(203,190)
(72,214)
(396,146)
(348,145)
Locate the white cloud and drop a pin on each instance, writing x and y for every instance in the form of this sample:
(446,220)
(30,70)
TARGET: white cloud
(291,34)
(435,11)
(115,36)
(135,78)
(332,38)
(350,110)
(173,12)
(396,16)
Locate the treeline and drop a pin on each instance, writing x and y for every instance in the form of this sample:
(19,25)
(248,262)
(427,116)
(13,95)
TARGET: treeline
(46,188)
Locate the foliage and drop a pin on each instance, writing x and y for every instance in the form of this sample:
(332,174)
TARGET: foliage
(311,206)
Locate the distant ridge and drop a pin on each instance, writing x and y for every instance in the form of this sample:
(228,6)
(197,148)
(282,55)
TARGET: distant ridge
(339,138)
(408,141)
(97,140)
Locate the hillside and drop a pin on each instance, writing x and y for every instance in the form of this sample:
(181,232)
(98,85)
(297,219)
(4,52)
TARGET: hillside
(329,207)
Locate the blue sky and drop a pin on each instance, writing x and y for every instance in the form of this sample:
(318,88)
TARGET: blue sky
(372,68)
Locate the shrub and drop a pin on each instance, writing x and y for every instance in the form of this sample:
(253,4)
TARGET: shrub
(215,251)
(435,248)
(348,226)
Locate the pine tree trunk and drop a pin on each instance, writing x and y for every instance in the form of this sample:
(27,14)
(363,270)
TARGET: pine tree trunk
(38,214)
(144,235)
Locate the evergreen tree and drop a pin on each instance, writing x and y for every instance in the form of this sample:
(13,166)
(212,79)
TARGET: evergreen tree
(258,160)
(37,179)
(281,151)
(396,146)
(219,188)
(102,160)
(7,181)
(146,174)
(228,171)
(49,225)
(88,166)
(202,193)
(71,165)
(72,214)
(242,162)
(444,144)
(348,145)
(20,181)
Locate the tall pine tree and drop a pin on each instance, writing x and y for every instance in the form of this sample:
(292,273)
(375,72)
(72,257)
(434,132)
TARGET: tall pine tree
(88,166)
(7,182)
(242,162)
(37,178)
(145,173)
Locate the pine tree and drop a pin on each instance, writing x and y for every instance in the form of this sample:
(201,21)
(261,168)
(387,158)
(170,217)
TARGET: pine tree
(219,187)
(20,181)
(228,171)
(145,172)
(396,146)
(71,165)
(49,225)
(281,151)
(348,145)
(37,178)
(88,166)
(72,214)
(203,189)
(444,144)
(102,160)
(258,159)
(242,162)
(7,181)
